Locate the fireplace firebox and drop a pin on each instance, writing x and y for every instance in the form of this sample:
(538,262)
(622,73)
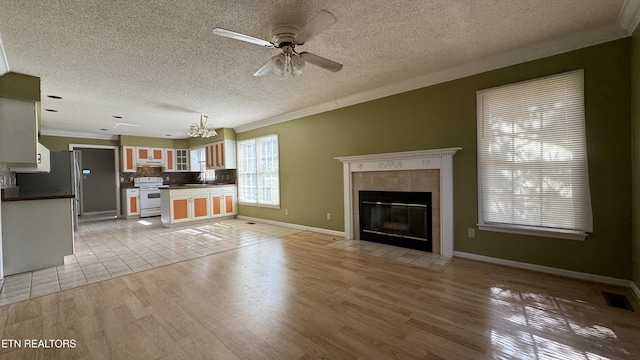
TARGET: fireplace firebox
(396,218)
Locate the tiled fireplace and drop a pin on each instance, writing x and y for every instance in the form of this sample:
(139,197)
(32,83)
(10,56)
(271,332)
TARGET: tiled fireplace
(414,171)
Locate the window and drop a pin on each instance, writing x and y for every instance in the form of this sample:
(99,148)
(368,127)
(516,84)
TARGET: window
(258,171)
(198,163)
(532,158)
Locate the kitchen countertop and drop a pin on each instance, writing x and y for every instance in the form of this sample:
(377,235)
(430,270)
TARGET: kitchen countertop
(194,186)
(35,196)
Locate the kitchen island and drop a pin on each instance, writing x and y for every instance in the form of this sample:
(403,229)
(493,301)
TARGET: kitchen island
(37,231)
(193,203)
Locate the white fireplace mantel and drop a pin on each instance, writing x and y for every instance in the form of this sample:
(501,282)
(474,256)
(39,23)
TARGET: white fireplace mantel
(441,159)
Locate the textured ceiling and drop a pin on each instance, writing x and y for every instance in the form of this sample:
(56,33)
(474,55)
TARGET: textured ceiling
(158,65)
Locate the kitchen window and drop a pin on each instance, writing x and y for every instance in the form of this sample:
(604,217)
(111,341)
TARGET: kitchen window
(532,158)
(259,171)
(198,164)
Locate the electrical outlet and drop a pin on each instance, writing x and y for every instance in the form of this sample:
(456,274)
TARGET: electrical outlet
(328,216)
(471,232)
(286,211)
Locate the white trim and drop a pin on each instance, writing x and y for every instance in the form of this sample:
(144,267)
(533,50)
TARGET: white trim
(532,231)
(293,226)
(62,133)
(629,16)
(546,269)
(521,55)
(441,159)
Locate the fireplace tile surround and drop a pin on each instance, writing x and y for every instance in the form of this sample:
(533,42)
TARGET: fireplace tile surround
(423,170)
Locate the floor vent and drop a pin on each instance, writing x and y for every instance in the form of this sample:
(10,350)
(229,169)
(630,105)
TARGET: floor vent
(617,301)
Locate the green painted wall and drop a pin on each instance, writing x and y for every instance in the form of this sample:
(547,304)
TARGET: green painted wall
(20,86)
(635,91)
(443,116)
(59,143)
(127,140)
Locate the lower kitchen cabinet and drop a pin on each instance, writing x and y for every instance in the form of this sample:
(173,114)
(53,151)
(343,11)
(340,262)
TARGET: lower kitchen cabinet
(192,204)
(36,234)
(183,205)
(223,201)
(131,202)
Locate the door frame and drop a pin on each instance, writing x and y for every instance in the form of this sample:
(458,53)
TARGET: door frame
(116,166)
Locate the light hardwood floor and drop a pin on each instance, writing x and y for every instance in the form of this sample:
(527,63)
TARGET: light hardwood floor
(295,297)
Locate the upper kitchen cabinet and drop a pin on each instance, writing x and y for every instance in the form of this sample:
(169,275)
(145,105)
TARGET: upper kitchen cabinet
(150,156)
(19,123)
(182,160)
(18,131)
(128,159)
(221,155)
(169,160)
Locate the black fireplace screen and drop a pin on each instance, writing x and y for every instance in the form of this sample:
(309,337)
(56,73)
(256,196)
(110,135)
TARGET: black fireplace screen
(396,218)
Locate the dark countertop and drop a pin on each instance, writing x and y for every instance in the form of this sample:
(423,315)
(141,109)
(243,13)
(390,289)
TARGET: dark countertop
(194,186)
(35,196)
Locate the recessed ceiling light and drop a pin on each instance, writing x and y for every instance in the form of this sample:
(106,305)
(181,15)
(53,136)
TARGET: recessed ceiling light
(54,97)
(168,135)
(117,117)
(50,110)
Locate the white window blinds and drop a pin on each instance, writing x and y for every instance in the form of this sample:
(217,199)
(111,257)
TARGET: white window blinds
(532,155)
(259,171)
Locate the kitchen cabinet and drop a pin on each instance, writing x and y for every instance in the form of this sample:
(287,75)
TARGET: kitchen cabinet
(128,163)
(131,201)
(148,156)
(18,132)
(36,233)
(169,160)
(197,203)
(43,162)
(184,205)
(223,201)
(182,160)
(221,155)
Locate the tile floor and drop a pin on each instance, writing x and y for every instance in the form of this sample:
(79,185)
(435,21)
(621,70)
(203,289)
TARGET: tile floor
(410,256)
(111,248)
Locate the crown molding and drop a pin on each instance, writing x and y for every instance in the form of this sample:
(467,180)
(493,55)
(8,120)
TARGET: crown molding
(51,132)
(550,48)
(629,16)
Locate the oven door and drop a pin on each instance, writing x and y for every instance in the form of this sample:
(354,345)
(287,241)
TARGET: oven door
(149,202)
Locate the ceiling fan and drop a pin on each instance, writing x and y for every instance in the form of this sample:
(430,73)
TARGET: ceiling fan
(286,37)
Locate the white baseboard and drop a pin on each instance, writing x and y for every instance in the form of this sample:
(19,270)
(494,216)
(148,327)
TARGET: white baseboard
(550,270)
(293,226)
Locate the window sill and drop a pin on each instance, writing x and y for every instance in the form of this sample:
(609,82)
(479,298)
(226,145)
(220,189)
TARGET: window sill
(532,231)
(259,205)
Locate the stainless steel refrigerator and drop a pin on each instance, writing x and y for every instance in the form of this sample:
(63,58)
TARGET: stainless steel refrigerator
(63,179)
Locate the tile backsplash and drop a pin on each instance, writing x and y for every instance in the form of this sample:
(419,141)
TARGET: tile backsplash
(222,176)
(7,177)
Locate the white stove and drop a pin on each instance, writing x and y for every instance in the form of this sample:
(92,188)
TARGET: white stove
(149,195)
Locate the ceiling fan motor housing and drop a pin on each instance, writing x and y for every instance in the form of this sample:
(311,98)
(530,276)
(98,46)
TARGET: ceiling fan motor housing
(284,35)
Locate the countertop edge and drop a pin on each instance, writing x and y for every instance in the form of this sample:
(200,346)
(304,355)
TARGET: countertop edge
(44,197)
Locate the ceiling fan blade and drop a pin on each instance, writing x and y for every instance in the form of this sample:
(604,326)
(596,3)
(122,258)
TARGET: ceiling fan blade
(320,61)
(315,26)
(241,37)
